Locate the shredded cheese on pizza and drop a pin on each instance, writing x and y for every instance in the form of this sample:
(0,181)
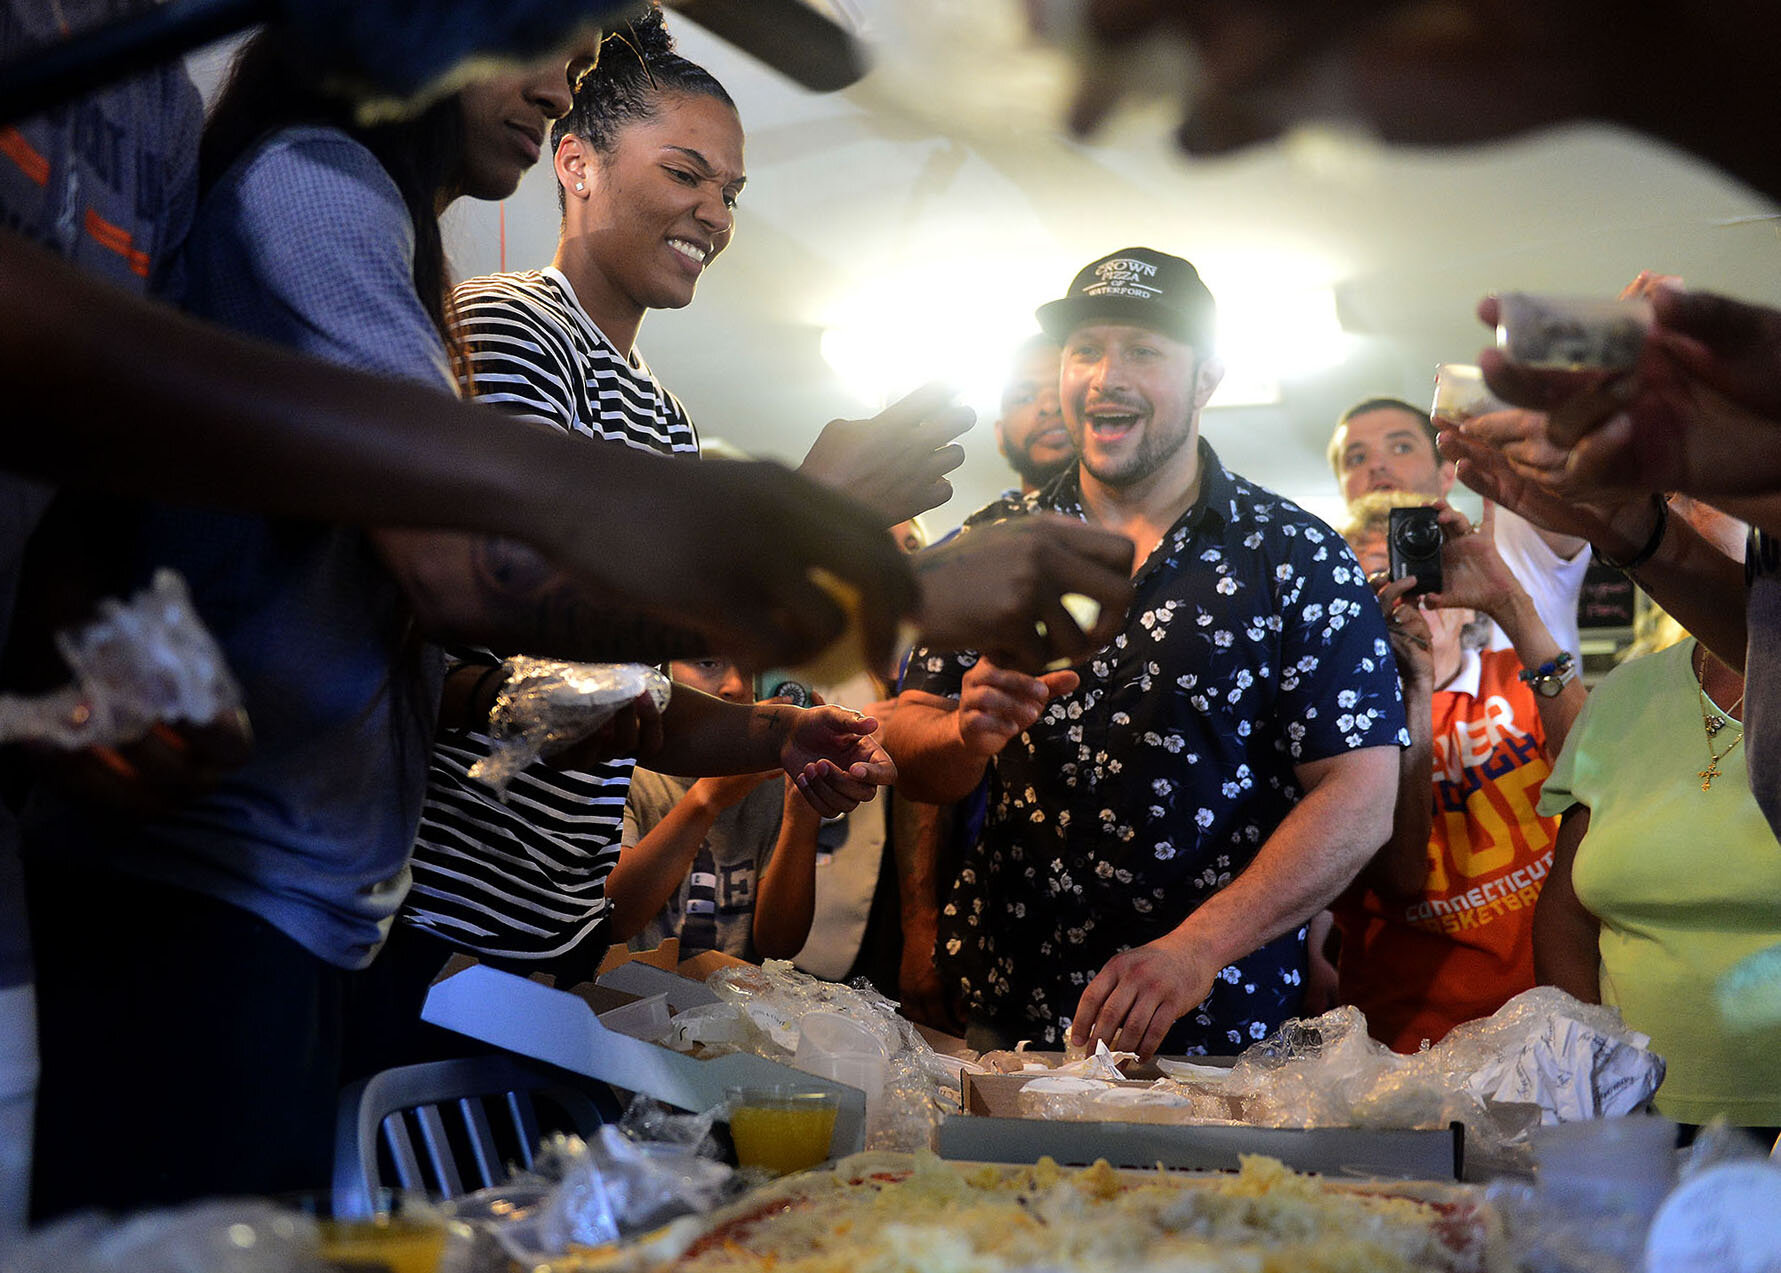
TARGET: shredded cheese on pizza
(936,1217)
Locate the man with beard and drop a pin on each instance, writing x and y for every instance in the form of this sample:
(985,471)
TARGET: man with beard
(1165,817)
(1030,432)
(1387,444)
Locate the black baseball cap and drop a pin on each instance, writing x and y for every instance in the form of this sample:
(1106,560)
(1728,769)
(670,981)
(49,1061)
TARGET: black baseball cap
(1141,286)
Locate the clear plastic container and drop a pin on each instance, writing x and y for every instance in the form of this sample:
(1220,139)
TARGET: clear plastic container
(840,1048)
(1609,1166)
(1460,394)
(1559,333)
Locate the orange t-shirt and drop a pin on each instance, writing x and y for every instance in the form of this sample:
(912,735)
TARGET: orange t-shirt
(1465,946)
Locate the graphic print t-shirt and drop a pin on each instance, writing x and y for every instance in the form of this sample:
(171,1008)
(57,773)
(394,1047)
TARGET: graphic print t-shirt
(1464,946)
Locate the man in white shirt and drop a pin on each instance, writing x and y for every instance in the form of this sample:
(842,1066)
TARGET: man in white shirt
(1387,444)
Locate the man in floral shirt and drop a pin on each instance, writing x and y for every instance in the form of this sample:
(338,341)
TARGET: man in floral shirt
(1165,816)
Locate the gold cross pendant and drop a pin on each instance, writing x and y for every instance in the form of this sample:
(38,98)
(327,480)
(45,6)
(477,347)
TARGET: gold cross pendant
(1708,774)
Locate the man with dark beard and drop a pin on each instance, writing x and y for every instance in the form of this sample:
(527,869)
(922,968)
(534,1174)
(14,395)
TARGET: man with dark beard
(1166,816)
(1030,432)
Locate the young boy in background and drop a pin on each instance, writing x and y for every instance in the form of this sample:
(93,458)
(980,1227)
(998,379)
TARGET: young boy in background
(725,863)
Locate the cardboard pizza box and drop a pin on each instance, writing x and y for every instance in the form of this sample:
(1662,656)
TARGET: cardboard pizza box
(992,1128)
(706,962)
(667,957)
(584,1030)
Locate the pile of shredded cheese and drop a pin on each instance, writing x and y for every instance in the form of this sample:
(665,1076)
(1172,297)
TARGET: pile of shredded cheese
(942,1218)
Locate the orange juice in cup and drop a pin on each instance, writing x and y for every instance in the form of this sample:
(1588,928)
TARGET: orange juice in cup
(391,1245)
(782,1129)
(399,1233)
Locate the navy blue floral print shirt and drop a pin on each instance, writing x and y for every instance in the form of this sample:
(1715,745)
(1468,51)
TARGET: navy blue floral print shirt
(1253,644)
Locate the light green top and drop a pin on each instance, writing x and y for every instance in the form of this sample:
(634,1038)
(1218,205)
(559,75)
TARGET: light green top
(1685,882)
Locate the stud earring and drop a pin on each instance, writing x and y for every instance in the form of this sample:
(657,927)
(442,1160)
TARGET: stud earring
(580,185)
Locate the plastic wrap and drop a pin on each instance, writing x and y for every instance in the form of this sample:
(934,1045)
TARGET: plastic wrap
(1543,1058)
(635,1176)
(1102,1063)
(546,705)
(1099,1101)
(770,1001)
(236,1236)
(141,662)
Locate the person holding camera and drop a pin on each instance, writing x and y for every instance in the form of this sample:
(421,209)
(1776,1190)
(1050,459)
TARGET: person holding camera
(1387,444)
(1438,929)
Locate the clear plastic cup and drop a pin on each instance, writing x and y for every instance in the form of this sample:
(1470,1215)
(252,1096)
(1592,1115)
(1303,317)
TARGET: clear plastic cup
(399,1233)
(1561,333)
(1460,394)
(840,1048)
(782,1129)
(1609,1166)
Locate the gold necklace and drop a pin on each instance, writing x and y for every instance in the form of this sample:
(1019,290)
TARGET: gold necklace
(1712,722)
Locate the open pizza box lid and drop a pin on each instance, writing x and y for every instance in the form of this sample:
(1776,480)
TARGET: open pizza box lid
(592,1030)
(992,1128)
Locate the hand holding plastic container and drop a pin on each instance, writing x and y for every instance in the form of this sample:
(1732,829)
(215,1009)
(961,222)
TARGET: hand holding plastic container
(1554,333)
(1460,394)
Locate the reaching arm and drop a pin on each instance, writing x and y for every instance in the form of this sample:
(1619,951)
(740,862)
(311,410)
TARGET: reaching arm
(1757,510)
(932,762)
(1534,646)
(984,588)
(1400,869)
(1566,935)
(1690,577)
(484,590)
(1315,852)
(948,744)
(895,463)
(189,413)
(785,898)
(1506,458)
(1476,578)
(917,831)
(832,754)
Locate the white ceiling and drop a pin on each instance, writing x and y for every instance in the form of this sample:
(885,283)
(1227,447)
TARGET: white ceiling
(939,185)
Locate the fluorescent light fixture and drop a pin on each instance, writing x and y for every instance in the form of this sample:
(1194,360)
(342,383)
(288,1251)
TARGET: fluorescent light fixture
(1267,336)
(955,321)
(958,320)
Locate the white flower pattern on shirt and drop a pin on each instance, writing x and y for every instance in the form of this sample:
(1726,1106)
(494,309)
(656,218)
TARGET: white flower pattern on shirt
(1154,783)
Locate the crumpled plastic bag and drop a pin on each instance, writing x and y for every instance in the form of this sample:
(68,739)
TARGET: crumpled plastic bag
(635,1176)
(241,1235)
(1571,1059)
(771,999)
(141,662)
(547,705)
(1102,1063)
(1543,1057)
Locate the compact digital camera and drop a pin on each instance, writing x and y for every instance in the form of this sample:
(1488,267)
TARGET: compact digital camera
(1414,541)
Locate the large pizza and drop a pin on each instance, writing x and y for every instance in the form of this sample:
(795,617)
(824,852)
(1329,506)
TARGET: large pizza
(882,1213)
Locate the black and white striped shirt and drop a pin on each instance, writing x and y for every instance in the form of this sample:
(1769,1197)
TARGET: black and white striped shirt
(526,879)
